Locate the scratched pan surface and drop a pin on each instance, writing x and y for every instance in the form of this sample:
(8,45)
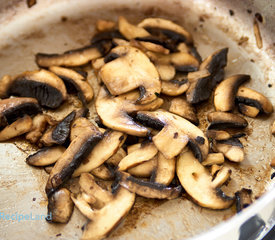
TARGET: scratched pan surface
(55,26)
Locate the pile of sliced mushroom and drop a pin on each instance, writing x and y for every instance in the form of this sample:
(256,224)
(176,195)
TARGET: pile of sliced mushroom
(147,134)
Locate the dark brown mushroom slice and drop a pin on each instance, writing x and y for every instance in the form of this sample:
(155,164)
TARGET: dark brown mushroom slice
(78,150)
(210,73)
(113,111)
(43,85)
(168,28)
(60,206)
(243,199)
(197,182)
(273,128)
(224,96)
(148,189)
(176,132)
(73,58)
(130,69)
(130,31)
(31,3)
(17,128)
(75,82)
(106,36)
(38,127)
(247,110)
(253,98)
(223,120)
(12,109)
(232,149)
(45,156)
(184,109)
(60,133)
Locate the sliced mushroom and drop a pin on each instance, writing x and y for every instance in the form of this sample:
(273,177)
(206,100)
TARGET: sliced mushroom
(104,220)
(168,28)
(248,110)
(60,133)
(221,177)
(146,152)
(38,127)
(102,172)
(183,62)
(91,188)
(107,147)
(184,109)
(117,157)
(213,158)
(120,42)
(175,134)
(218,134)
(182,47)
(243,199)
(113,111)
(105,25)
(224,96)
(222,120)
(12,109)
(197,182)
(75,81)
(130,31)
(98,63)
(211,72)
(149,46)
(144,169)
(214,169)
(45,156)
(273,128)
(148,189)
(72,58)
(175,87)
(165,170)
(48,169)
(166,71)
(43,85)
(60,206)
(255,99)
(131,69)
(17,128)
(78,150)
(232,149)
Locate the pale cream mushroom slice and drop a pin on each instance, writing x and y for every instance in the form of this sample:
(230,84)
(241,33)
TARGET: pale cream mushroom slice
(144,169)
(255,99)
(166,72)
(102,172)
(243,198)
(105,25)
(176,132)
(107,147)
(223,120)
(181,107)
(149,46)
(60,206)
(221,177)
(75,82)
(165,170)
(40,123)
(45,86)
(45,156)
(114,111)
(183,47)
(104,220)
(213,158)
(168,28)
(210,73)
(78,150)
(197,182)
(218,134)
(214,169)
(117,157)
(130,31)
(144,153)
(17,128)
(232,149)
(148,189)
(130,69)
(224,95)
(175,87)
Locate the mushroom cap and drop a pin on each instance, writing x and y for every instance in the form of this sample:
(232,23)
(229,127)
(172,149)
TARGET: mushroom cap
(113,111)
(130,69)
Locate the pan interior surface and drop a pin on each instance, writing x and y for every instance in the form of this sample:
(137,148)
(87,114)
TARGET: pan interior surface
(56,26)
